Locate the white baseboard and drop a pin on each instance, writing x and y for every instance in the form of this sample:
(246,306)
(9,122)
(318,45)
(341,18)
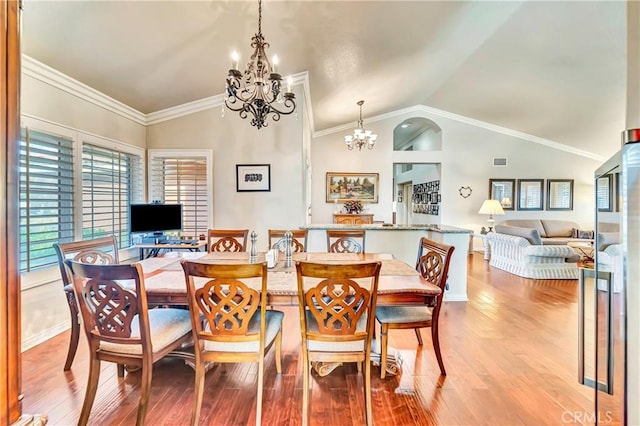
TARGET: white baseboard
(44,335)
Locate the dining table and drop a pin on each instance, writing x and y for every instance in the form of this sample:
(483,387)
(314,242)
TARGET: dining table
(398,283)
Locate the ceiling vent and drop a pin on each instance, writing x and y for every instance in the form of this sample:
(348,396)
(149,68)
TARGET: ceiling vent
(500,162)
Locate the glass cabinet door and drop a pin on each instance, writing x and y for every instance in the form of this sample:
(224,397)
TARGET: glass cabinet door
(609,293)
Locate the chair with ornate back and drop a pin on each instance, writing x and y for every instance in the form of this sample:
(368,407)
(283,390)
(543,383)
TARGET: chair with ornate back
(433,266)
(233,240)
(101,251)
(120,328)
(230,320)
(337,319)
(298,240)
(345,241)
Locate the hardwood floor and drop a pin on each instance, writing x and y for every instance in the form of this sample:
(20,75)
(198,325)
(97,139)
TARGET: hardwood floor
(510,354)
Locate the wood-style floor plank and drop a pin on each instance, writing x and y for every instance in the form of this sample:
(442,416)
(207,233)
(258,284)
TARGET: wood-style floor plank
(510,354)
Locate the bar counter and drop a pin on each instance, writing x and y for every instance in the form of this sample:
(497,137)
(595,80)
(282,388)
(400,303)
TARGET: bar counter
(402,241)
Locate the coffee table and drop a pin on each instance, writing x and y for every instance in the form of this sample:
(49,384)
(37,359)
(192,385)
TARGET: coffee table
(584,249)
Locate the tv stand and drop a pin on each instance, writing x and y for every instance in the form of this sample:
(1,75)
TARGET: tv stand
(153,249)
(155,238)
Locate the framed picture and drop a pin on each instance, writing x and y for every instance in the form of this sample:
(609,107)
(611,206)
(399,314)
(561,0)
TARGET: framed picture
(352,186)
(559,194)
(604,190)
(503,190)
(253,177)
(530,194)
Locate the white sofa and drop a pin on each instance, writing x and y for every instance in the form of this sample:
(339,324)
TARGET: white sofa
(517,255)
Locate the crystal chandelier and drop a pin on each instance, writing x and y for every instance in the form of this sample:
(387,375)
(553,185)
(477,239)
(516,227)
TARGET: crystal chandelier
(257,91)
(360,137)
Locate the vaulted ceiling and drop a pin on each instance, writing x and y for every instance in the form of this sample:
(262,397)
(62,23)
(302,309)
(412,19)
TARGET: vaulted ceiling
(555,70)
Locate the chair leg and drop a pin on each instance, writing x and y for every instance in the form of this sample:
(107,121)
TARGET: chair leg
(436,347)
(259,396)
(279,352)
(359,366)
(75,331)
(418,336)
(145,389)
(384,330)
(120,368)
(199,390)
(367,392)
(92,387)
(305,390)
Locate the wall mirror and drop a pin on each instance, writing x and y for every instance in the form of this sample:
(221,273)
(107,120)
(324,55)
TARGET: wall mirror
(503,191)
(559,194)
(530,194)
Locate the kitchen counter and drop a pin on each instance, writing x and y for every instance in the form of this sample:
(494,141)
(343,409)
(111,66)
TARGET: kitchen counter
(402,241)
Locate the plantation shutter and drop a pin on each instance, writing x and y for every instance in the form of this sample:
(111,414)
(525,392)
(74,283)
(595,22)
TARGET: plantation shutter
(111,180)
(46,197)
(182,180)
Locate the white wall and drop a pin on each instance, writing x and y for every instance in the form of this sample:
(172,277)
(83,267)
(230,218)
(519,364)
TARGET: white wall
(466,159)
(234,141)
(46,102)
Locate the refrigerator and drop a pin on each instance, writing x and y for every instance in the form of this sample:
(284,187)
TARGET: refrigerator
(609,301)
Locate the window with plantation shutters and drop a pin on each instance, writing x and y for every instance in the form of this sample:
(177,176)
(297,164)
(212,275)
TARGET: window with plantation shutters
(46,196)
(111,180)
(182,177)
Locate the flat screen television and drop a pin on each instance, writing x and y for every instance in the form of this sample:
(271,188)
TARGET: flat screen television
(155,218)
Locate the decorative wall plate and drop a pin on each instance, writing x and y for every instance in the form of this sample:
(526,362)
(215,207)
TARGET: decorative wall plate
(465,191)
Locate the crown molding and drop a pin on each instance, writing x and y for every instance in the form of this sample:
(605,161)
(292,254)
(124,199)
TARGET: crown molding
(422,109)
(42,72)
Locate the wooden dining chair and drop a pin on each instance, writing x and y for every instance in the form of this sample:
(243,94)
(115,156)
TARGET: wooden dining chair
(101,251)
(433,266)
(298,240)
(233,240)
(120,328)
(345,241)
(230,320)
(337,319)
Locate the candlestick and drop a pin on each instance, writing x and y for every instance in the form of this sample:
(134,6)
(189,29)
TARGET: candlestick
(274,63)
(289,83)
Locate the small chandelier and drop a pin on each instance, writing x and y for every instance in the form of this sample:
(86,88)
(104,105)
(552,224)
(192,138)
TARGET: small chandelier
(258,89)
(360,137)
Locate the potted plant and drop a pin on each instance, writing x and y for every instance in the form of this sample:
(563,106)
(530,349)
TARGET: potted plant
(353,206)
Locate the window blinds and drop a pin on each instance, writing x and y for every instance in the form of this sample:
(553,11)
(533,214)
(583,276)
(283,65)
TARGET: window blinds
(111,180)
(182,180)
(46,197)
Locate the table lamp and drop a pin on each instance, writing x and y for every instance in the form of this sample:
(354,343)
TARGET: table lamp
(491,207)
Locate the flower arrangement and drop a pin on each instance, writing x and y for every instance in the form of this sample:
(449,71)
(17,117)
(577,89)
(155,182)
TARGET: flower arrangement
(353,206)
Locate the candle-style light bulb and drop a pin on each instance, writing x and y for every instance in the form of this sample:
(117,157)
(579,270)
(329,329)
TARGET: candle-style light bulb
(274,63)
(289,84)
(234,60)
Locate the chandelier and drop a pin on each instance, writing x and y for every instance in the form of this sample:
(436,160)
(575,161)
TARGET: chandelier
(360,137)
(257,91)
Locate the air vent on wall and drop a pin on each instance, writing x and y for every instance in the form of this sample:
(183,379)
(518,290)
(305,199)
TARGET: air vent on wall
(500,162)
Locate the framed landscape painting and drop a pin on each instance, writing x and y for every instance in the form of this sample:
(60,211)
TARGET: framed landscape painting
(352,186)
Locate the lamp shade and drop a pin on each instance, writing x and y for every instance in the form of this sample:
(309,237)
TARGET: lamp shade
(491,207)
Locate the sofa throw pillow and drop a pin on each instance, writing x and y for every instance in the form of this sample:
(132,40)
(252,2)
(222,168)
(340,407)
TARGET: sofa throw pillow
(531,235)
(577,233)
